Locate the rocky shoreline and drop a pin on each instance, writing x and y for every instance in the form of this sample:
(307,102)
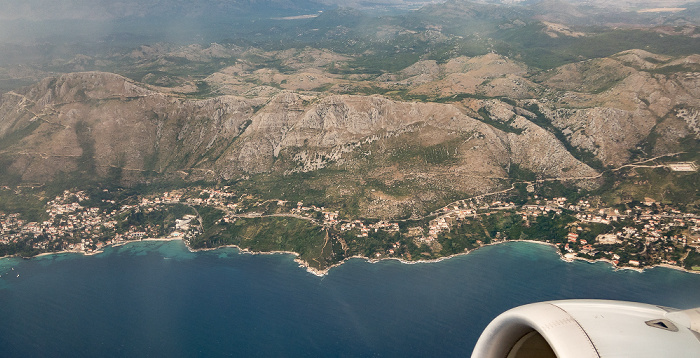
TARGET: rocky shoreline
(324,272)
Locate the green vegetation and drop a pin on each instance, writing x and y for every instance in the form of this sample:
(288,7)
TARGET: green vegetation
(376,242)
(667,70)
(308,186)
(466,235)
(86,162)
(504,126)
(22,249)
(692,262)
(668,187)
(439,154)
(533,46)
(270,234)
(8,177)
(662,184)
(13,137)
(269,225)
(382,62)
(210,216)
(204,90)
(29,204)
(162,221)
(516,172)
(550,228)
(581,154)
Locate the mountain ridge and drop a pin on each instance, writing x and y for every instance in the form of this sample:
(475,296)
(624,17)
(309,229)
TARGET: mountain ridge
(461,127)
(111,123)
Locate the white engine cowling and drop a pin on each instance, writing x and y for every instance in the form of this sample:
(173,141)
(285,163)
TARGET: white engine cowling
(591,328)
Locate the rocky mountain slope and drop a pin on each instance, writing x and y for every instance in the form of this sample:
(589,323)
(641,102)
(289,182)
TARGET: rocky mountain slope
(553,124)
(615,105)
(96,123)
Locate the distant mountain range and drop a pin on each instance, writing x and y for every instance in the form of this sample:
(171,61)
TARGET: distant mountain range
(104,9)
(82,21)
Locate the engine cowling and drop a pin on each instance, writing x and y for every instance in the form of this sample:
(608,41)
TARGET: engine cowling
(591,328)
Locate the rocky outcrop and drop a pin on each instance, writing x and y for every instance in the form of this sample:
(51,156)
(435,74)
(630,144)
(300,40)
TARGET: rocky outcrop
(101,121)
(104,125)
(97,121)
(613,122)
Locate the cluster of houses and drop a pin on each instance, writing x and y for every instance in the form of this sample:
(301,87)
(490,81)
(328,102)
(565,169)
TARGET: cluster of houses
(10,228)
(301,209)
(182,227)
(366,229)
(166,198)
(72,226)
(672,230)
(662,231)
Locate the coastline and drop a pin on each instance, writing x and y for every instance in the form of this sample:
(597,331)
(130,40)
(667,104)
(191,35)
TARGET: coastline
(619,268)
(95,252)
(323,272)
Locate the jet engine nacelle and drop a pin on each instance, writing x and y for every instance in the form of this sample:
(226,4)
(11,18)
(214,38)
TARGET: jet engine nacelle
(591,328)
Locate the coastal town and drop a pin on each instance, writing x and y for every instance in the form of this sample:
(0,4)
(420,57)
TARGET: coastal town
(632,235)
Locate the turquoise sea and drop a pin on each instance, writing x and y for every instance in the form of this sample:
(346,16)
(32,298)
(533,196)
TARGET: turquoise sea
(158,299)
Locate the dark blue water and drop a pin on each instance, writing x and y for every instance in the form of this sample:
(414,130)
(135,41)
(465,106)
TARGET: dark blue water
(158,299)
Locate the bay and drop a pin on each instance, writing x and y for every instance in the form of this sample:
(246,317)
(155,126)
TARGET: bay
(159,299)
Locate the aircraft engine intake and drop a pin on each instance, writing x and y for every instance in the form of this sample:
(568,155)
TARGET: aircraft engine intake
(591,328)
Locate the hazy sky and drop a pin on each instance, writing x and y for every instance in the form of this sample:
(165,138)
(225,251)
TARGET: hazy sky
(105,9)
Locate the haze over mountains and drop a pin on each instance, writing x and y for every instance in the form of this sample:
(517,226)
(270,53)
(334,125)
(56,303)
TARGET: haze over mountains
(101,9)
(454,99)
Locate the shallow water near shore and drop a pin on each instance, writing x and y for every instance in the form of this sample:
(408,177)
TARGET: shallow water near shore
(159,299)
